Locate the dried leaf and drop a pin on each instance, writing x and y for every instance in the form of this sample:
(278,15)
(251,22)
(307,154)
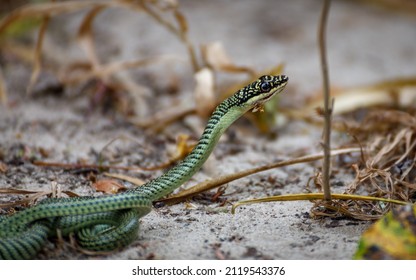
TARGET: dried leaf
(204,92)
(3,167)
(183,148)
(386,149)
(400,92)
(216,57)
(108,186)
(126,178)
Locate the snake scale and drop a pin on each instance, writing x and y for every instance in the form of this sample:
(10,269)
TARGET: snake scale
(106,223)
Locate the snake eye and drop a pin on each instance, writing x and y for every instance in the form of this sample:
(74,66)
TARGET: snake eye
(265,86)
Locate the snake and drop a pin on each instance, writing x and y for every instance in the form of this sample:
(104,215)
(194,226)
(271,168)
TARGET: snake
(106,223)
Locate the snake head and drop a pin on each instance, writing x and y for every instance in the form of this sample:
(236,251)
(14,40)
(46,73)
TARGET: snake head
(254,95)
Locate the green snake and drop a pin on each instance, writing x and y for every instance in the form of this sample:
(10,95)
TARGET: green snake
(107,223)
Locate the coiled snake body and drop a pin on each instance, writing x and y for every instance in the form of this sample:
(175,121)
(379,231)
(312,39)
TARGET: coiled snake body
(110,222)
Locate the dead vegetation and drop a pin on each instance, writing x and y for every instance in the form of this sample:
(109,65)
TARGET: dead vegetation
(387,169)
(379,119)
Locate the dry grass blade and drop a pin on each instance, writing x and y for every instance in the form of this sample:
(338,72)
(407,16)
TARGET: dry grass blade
(26,201)
(313,196)
(16,191)
(86,41)
(32,196)
(37,63)
(382,154)
(180,18)
(210,184)
(48,10)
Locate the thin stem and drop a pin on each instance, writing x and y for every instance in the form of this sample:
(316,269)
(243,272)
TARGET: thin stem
(327,107)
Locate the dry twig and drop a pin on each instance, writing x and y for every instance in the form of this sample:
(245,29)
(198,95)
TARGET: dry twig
(327,107)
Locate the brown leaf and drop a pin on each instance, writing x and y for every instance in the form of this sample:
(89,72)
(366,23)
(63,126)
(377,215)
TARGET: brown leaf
(123,177)
(108,186)
(3,167)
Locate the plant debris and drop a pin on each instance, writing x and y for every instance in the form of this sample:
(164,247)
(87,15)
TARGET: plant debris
(388,170)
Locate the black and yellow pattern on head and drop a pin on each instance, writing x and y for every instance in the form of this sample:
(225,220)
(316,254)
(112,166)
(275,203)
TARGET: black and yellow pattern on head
(261,90)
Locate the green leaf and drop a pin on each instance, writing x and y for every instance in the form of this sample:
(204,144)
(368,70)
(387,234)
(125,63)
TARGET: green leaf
(392,237)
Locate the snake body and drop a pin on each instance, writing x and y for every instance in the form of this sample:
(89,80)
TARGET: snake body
(111,222)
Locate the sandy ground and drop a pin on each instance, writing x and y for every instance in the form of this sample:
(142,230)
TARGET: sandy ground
(365,45)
